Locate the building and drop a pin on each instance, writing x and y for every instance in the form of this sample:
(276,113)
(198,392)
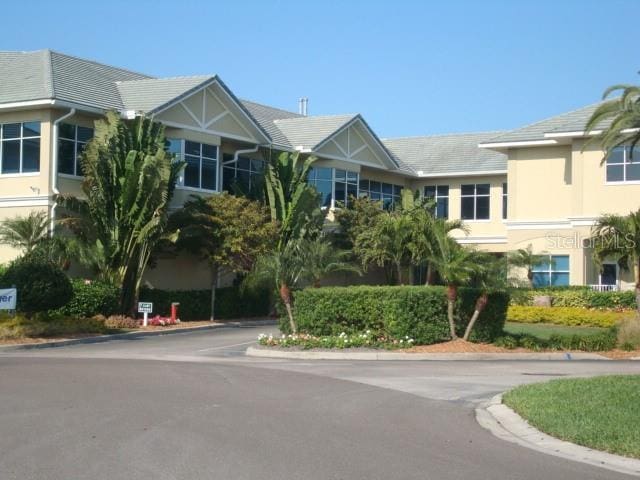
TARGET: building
(532,185)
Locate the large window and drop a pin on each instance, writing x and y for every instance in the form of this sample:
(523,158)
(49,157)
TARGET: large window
(246,176)
(475,201)
(201,170)
(440,195)
(322,179)
(622,166)
(388,193)
(505,200)
(334,185)
(552,271)
(20,148)
(345,186)
(71,142)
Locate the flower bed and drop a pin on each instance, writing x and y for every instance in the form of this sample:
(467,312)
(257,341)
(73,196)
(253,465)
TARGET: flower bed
(367,339)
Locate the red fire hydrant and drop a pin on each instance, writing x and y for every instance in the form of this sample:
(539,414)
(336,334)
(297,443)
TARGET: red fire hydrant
(174,311)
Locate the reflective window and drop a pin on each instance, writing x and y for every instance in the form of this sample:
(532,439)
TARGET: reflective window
(72,140)
(387,192)
(475,202)
(552,271)
(440,195)
(623,165)
(322,179)
(20,147)
(201,169)
(244,177)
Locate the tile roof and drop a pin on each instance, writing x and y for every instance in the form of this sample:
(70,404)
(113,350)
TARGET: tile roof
(265,116)
(309,132)
(151,93)
(25,76)
(444,154)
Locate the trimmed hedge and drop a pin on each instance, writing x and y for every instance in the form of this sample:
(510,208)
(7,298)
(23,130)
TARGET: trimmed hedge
(90,299)
(570,316)
(231,302)
(576,296)
(415,311)
(600,342)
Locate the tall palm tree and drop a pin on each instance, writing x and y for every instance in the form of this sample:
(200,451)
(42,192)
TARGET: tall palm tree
(129,180)
(25,233)
(618,237)
(620,116)
(525,258)
(321,258)
(456,265)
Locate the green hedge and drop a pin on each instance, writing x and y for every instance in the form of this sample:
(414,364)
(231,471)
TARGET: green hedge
(90,299)
(231,302)
(418,312)
(576,296)
(570,316)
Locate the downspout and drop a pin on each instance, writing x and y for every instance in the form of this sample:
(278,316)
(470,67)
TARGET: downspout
(54,167)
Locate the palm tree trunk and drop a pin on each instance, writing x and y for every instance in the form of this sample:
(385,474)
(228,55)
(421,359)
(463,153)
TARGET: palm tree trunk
(481,303)
(530,276)
(638,286)
(285,295)
(452,295)
(214,286)
(429,279)
(399,273)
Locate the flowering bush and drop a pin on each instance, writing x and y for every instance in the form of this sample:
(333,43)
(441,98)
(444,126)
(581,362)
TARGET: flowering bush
(159,321)
(305,341)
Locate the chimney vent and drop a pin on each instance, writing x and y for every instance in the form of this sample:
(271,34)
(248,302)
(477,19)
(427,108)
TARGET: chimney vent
(303,103)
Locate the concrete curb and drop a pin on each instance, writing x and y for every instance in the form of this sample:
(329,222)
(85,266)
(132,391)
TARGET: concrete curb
(133,335)
(266,352)
(507,425)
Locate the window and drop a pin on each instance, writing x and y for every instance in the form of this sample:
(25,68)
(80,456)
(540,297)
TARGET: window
(553,271)
(504,200)
(322,179)
(345,186)
(622,166)
(475,201)
(20,147)
(246,176)
(72,139)
(440,195)
(388,193)
(201,170)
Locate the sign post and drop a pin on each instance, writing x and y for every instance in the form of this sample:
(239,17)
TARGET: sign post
(8,298)
(145,308)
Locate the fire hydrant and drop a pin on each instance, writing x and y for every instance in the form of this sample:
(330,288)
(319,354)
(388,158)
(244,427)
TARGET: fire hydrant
(174,312)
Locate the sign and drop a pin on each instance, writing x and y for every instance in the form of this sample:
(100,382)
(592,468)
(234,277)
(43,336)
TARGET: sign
(145,307)
(8,297)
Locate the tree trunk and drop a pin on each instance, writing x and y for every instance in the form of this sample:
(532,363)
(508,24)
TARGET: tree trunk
(481,303)
(285,295)
(530,276)
(429,279)
(214,286)
(638,287)
(452,295)
(399,273)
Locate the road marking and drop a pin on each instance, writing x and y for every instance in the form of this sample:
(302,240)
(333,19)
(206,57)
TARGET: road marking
(227,346)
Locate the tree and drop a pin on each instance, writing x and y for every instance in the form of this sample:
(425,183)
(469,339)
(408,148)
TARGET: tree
(25,233)
(228,232)
(525,258)
(359,216)
(621,117)
(321,258)
(618,237)
(129,180)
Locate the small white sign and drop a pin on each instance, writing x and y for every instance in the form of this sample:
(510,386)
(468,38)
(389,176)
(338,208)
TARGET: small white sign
(8,297)
(145,307)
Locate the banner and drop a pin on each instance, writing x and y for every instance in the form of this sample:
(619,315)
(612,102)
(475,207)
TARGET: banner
(8,298)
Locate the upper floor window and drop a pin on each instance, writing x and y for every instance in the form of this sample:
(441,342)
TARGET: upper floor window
(622,166)
(552,271)
(322,179)
(72,140)
(345,186)
(245,176)
(388,193)
(201,170)
(20,148)
(475,201)
(440,195)
(505,197)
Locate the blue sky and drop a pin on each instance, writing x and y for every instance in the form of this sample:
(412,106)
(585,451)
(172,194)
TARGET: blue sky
(410,67)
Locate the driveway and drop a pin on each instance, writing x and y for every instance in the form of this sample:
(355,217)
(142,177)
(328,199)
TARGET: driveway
(190,406)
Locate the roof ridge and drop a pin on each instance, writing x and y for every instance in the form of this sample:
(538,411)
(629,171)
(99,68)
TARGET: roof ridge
(350,115)
(432,135)
(177,77)
(271,107)
(95,62)
(49,72)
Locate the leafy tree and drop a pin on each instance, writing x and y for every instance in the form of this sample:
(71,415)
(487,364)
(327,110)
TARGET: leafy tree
(321,258)
(618,237)
(228,232)
(129,180)
(25,233)
(359,216)
(526,259)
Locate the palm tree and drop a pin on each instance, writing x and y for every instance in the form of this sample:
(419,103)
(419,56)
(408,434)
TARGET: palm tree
(129,180)
(321,258)
(525,258)
(622,114)
(618,237)
(25,233)
(456,265)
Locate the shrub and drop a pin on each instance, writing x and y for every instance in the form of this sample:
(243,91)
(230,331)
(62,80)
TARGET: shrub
(121,321)
(367,339)
(576,296)
(91,299)
(570,316)
(629,332)
(231,302)
(41,285)
(419,313)
(18,326)
(589,343)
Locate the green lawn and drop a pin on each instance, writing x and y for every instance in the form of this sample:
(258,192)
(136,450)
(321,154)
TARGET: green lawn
(601,413)
(545,330)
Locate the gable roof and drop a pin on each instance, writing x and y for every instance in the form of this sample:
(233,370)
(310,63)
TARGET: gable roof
(447,154)
(150,94)
(308,132)
(265,116)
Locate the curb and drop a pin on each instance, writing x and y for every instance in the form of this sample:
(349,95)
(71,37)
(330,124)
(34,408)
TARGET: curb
(133,335)
(254,351)
(507,425)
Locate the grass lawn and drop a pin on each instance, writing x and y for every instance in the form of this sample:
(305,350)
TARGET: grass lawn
(601,413)
(545,330)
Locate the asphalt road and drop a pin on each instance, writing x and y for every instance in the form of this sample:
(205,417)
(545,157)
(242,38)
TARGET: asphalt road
(190,406)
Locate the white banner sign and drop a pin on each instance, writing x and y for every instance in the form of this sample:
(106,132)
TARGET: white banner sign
(8,298)
(145,307)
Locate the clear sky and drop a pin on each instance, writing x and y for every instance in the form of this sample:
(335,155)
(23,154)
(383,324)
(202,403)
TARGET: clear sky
(410,67)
